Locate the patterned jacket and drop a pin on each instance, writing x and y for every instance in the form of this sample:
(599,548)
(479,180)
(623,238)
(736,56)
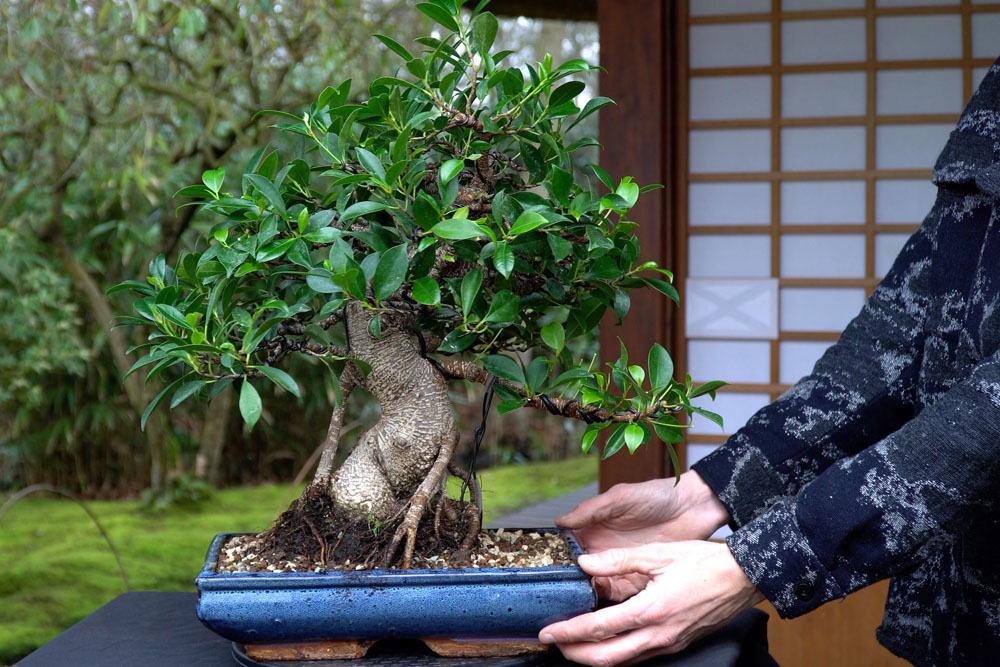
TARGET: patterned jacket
(885,460)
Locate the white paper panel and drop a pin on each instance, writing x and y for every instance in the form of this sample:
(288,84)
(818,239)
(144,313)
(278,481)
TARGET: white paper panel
(913,3)
(823,41)
(822,148)
(918,37)
(725,45)
(729,256)
(735,408)
(721,308)
(697,451)
(819,308)
(722,97)
(808,5)
(710,7)
(729,360)
(919,91)
(909,146)
(903,200)
(887,246)
(729,204)
(819,95)
(822,256)
(978,74)
(985,35)
(797,357)
(822,202)
(729,150)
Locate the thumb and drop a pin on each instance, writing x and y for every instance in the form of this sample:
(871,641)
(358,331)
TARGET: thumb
(590,511)
(616,562)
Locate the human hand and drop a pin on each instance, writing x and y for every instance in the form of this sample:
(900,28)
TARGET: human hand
(691,588)
(655,511)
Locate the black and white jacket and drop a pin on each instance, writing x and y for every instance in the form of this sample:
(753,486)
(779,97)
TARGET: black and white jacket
(885,460)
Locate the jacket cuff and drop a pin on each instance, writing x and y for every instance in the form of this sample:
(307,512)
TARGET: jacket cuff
(743,479)
(777,557)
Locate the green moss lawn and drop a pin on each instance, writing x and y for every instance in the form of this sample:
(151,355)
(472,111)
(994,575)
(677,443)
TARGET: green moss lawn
(57,568)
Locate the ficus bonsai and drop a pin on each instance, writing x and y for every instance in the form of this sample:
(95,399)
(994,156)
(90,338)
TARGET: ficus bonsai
(420,238)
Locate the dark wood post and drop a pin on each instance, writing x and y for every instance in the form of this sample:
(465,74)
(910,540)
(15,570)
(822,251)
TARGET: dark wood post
(635,52)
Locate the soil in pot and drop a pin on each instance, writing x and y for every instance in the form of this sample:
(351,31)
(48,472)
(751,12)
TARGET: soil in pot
(311,537)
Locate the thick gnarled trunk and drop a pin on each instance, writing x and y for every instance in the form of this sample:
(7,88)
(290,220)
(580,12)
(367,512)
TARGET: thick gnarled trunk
(400,461)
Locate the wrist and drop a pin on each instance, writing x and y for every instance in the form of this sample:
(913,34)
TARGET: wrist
(699,498)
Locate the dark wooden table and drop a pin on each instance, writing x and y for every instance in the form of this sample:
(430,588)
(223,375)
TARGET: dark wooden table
(160,629)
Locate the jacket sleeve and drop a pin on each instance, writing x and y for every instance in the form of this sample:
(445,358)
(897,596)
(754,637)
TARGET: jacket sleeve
(880,512)
(861,390)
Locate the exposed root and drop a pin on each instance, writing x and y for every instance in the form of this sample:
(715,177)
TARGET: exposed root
(418,505)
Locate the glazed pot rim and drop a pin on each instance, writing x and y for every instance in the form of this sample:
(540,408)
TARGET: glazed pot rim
(209,579)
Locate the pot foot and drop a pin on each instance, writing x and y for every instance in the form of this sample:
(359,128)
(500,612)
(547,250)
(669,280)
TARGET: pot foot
(341,649)
(480,648)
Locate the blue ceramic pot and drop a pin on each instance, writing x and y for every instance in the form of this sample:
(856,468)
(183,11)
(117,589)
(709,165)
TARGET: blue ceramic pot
(263,607)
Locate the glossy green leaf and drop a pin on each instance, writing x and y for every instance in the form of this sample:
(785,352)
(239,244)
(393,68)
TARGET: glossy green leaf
(504,367)
(438,15)
(503,258)
(470,289)
(566,92)
(505,307)
(361,208)
(270,192)
(186,390)
(450,169)
(394,46)
(554,336)
(371,163)
(528,221)
(661,367)
(458,229)
(426,291)
(280,378)
(615,441)
(536,373)
(484,31)
(390,272)
(250,405)
(157,400)
(213,179)
(635,435)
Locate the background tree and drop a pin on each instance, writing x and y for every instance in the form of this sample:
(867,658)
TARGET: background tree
(440,216)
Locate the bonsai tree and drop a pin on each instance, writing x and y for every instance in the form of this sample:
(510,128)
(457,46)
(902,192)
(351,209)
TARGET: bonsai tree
(440,231)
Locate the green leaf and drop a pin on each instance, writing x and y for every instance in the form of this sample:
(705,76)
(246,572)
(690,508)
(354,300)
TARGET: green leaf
(661,367)
(470,289)
(390,272)
(250,405)
(157,400)
(213,178)
(537,373)
(565,93)
(270,192)
(280,378)
(484,31)
(361,208)
(711,416)
(615,441)
(186,390)
(528,221)
(635,435)
(438,15)
(504,307)
(589,436)
(554,336)
(426,291)
(458,229)
(173,315)
(503,258)
(371,163)
(450,169)
(533,160)
(299,254)
(707,388)
(561,248)
(638,373)
(669,433)
(664,287)
(394,46)
(504,367)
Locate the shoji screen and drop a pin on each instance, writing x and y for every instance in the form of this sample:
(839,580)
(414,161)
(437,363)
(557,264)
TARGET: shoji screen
(809,131)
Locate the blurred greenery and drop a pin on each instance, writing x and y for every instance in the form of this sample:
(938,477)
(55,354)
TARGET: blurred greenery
(108,107)
(58,568)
